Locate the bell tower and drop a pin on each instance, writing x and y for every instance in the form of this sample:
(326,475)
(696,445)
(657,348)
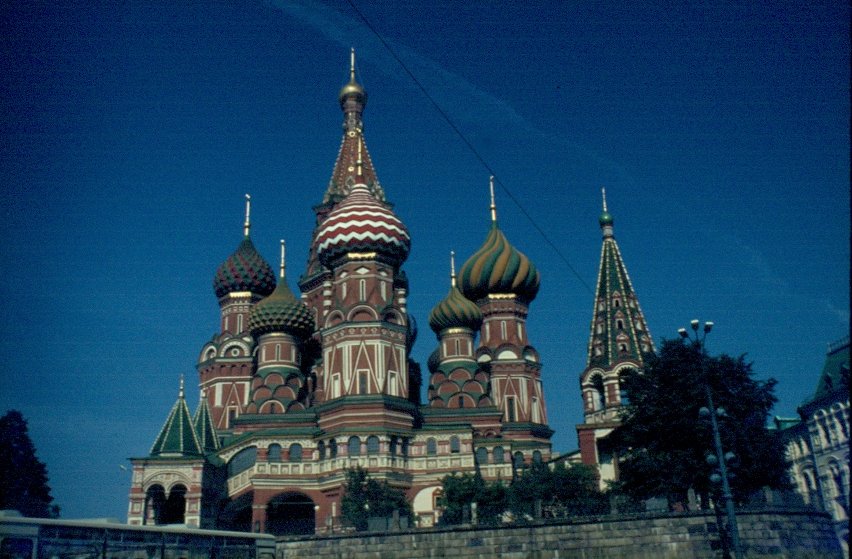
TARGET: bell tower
(618,340)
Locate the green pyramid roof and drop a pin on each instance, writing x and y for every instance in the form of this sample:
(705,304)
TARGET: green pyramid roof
(177,437)
(835,372)
(616,304)
(203,425)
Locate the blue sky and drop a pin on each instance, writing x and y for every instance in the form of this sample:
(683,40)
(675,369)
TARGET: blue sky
(131,133)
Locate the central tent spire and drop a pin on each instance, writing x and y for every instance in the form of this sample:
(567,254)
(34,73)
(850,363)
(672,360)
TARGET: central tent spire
(353,99)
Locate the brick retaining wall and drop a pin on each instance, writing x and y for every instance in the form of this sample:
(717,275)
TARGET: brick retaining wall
(766,533)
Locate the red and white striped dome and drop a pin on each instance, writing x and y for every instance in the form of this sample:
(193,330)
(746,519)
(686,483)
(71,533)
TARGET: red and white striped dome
(360,223)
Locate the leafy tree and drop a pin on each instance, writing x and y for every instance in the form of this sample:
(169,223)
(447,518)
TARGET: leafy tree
(460,491)
(366,497)
(563,491)
(664,444)
(23,477)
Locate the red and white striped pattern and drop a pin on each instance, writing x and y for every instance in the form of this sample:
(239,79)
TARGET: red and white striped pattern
(362,224)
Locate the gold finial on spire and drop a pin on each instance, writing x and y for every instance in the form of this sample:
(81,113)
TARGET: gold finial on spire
(352,64)
(247,224)
(493,205)
(453,268)
(180,392)
(603,194)
(283,265)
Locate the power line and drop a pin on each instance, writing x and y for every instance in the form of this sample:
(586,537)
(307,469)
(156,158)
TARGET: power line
(470,146)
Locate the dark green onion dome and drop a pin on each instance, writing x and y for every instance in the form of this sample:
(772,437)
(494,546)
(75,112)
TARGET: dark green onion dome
(245,270)
(498,267)
(605,219)
(281,312)
(455,311)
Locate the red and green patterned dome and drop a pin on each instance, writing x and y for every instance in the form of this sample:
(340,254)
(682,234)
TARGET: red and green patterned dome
(281,312)
(245,270)
(455,311)
(360,223)
(498,267)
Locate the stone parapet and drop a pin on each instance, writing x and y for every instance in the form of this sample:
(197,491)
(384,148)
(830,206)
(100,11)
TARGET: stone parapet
(765,533)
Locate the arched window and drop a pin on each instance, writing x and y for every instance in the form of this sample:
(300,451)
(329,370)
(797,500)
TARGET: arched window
(536,457)
(461,401)
(455,445)
(393,444)
(332,448)
(372,444)
(619,324)
(354,446)
(499,455)
(599,398)
(362,290)
(295,452)
(273,453)
(405,446)
(482,455)
(321,449)
(518,460)
(431,447)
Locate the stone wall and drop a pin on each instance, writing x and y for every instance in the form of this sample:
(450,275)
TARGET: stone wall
(766,533)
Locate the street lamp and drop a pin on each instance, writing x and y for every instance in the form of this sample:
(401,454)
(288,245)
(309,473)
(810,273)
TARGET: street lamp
(710,412)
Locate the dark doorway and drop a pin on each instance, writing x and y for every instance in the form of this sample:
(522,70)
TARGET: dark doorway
(290,513)
(236,515)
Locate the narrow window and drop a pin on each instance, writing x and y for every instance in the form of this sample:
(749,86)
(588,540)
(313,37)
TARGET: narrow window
(332,448)
(619,324)
(354,446)
(499,455)
(273,453)
(384,289)
(600,397)
(393,445)
(392,389)
(503,332)
(487,331)
(362,290)
(295,452)
(458,347)
(510,409)
(239,323)
(461,401)
(431,447)
(362,383)
(343,290)
(277,352)
(321,449)
(372,444)
(482,456)
(455,445)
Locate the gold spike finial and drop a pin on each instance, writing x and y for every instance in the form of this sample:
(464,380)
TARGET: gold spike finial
(247,224)
(352,64)
(453,268)
(493,205)
(603,194)
(283,265)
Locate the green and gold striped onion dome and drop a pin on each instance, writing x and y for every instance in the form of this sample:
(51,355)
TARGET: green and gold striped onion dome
(281,312)
(498,267)
(244,270)
(455,311)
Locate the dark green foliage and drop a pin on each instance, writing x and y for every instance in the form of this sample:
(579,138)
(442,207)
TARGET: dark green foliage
(366,497)
(460,491)
(663,442)
(23,477)
(563,491)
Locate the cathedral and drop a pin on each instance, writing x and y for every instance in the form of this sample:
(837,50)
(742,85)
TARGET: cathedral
(296,390)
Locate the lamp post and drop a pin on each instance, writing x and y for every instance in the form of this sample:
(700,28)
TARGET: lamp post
(710,412)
